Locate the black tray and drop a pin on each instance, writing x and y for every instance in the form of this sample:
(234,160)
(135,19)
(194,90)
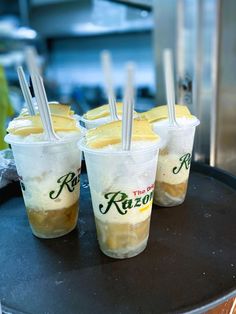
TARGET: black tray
(188,266)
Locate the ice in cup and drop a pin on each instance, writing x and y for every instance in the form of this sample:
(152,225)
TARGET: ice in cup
(122,186)
(175,156)
(100,115)
(49,172)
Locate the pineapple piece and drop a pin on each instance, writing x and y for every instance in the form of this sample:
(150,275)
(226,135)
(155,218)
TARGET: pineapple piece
(161,112)
(102,111)
(60,109)
(55,109)
(110,133)
(25,125)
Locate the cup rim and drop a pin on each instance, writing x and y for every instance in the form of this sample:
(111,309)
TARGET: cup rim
(94,120)
(108,118)
(179,127)
(16,142)
(155,146)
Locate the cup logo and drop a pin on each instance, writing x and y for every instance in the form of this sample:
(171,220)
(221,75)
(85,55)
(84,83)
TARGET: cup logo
(122,203)
(68,181)
(185,162)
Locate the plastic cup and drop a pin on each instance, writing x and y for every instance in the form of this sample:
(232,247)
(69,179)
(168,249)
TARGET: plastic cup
(49,174)
(173,163)
(122,186)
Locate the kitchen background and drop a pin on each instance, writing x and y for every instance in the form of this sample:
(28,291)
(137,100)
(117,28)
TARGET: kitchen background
(70,35)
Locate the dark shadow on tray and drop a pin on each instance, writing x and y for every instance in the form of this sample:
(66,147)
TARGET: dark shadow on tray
(77,250)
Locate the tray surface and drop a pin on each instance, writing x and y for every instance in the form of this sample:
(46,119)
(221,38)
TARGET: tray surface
(188,265)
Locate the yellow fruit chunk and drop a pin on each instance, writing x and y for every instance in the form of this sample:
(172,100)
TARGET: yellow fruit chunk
(161,112)
(55,108)
(25,125)
(108,134)
(102,111)
(60,109)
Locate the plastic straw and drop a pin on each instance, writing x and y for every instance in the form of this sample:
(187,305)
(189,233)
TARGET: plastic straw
(31,60)
(25,90)
(107,71)
(128,107)
(44,111)
(170,87)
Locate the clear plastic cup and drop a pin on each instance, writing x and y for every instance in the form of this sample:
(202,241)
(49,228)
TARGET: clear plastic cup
(49,174)
(173,163)
(122,186)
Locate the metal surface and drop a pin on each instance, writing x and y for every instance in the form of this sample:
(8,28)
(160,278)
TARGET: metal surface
(86,18)
(140,4)
(165,24)
(190,28)
(215,82)
(205,49)
(197,75)
(226,100)
(198,36)
(188,266)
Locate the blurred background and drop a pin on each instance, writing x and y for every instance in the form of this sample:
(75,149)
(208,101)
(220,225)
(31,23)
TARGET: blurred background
(69,36)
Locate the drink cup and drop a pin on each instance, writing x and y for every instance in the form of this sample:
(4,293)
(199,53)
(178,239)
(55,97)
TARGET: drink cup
(173,163)
(122,186)
(49,174)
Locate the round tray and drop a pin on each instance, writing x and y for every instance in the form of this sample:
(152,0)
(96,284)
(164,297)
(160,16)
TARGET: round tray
(189,264)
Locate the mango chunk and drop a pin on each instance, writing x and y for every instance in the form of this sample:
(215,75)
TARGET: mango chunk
(102,111)
(161,112)
(25,125)
(109,134)
(55,108)
(60,109)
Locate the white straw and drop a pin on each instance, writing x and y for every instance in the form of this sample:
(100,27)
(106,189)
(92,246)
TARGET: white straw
(128,107)
(25,90)
(44,111)
(32,60)
(170,86)
(107,71)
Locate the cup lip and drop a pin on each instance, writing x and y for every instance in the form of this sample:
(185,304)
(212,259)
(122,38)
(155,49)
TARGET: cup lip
(155,146)
(108,118)
(16,142)
(81,118)
(195,123)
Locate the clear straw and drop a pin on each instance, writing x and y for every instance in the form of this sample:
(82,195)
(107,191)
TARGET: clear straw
(107,71)
(170,87)
(128,107)
(31,60)
(25,90)
(43,106)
